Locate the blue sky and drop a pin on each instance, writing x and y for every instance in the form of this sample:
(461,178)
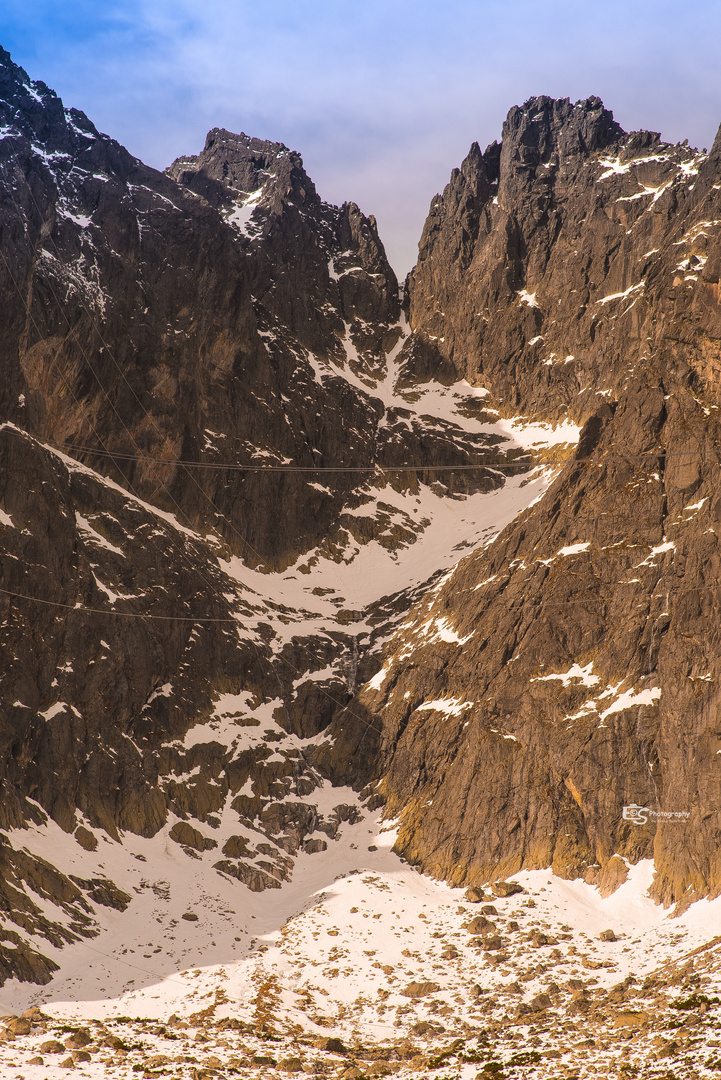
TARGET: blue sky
(381,97)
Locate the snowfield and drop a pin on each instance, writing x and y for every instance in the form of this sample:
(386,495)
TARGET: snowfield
(358,947)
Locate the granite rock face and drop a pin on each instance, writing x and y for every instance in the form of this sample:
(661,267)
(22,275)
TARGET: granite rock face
(236,477)
(317,268)
(574,270)
(114,345)
(176,632)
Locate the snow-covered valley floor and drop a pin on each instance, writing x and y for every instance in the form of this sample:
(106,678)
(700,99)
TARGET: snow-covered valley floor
(361,966)
(357,966)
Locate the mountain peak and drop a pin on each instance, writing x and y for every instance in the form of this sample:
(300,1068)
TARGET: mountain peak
(240,163)
(545,126)
(242,144)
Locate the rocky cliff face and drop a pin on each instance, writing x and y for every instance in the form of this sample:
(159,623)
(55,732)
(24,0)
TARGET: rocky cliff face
(189,595)
(575,271)
(233,472)
(115,347)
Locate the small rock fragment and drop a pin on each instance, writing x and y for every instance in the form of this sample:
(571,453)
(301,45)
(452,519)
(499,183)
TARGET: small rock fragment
(18,1025)
(540,1002)
(420,989)
(493,943)
(52,1046)
(480,925)
(294,1065)
(78,1039)
(332,1045)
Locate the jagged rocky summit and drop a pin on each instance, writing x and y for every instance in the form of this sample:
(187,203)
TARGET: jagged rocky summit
(238,475)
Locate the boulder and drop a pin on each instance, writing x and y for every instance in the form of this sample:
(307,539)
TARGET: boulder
(506,888)
(420,989)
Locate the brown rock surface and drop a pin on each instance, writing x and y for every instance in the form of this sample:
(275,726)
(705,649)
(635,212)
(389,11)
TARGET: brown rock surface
(420,989)
(156,318)
(573,271)
(159,325)
(506,888)
(480,925)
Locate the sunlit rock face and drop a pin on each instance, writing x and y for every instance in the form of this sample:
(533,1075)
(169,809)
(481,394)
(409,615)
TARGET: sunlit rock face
(219,493)
(571,668)
(239,471)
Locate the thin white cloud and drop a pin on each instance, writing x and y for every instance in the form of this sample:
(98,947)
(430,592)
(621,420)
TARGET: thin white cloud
(382,98)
